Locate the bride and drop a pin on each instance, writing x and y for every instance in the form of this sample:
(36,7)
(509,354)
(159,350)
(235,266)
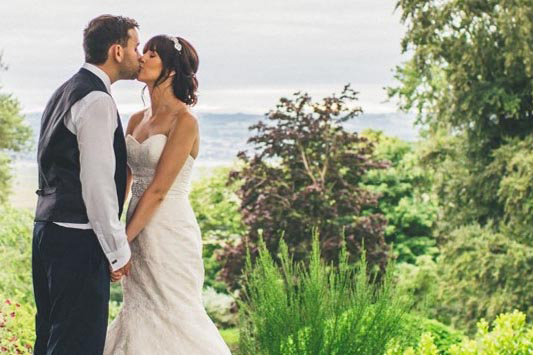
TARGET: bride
(162,312)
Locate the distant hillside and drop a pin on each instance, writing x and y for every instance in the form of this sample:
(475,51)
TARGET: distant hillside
(223,135)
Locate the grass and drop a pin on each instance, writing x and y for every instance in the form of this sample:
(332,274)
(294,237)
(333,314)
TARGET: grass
(231,337)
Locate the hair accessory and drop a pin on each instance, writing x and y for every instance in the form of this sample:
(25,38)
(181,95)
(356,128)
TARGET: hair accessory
(176,42)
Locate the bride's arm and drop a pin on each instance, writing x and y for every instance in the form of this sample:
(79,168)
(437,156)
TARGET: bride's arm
(177,149)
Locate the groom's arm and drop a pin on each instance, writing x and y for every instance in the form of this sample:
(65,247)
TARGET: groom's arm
(95,124)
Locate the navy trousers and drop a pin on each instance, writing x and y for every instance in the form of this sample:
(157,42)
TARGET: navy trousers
(71,285)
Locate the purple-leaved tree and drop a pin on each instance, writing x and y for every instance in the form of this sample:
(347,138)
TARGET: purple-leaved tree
(305,175)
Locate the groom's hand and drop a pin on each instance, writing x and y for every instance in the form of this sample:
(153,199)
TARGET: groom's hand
(118,274)
(115,275)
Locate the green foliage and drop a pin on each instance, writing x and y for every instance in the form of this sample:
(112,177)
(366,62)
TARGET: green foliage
(405,197)
(15,135)
(320,309)
(514,162)
(471,66)
(216,206)
(510,335)
(114,310)
(305,173)
(483,274)
(15,247)
(221,308)
(16,327)
(231,338)
(420,282)
(470,79)
(426,347)
(16,293)
(5,177)
(443,336)
(462,195)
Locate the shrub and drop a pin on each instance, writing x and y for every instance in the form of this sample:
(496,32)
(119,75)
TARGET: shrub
(405,197)
(221,307)
(510,335)
(317,310)
(15,247)
(421,283)
(216,206)
(482,275)
(443,336)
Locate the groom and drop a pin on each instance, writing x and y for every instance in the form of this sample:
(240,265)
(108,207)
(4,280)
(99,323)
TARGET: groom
(78,238)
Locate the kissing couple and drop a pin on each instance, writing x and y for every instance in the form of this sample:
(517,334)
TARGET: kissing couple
(87,166)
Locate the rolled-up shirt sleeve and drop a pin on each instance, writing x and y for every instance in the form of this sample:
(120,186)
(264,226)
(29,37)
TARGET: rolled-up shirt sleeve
(95,129)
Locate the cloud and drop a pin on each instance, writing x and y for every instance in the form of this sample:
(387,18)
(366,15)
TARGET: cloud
(257,48)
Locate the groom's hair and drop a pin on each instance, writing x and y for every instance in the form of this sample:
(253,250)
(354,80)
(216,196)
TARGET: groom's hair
(103,32)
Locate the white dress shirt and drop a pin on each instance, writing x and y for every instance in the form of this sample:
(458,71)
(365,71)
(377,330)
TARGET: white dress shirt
(93,120)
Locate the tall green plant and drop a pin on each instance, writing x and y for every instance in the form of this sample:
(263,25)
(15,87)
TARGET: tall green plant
(319,309)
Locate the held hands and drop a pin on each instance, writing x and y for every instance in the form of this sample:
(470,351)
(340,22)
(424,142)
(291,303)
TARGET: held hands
(125,270)
(118,274)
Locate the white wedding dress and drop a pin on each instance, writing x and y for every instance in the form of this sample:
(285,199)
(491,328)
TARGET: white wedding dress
(162,312)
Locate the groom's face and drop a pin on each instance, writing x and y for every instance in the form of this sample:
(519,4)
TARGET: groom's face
(129,68)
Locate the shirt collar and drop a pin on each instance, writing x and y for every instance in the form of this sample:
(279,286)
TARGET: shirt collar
(100,74)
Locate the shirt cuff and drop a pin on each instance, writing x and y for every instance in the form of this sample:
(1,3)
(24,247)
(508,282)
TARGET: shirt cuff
(119,258)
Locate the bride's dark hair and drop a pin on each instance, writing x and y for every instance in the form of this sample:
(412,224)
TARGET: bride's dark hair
(184,62)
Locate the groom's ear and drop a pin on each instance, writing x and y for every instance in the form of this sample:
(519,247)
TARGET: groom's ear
(116,52)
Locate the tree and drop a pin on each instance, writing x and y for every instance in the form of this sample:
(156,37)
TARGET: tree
(15,135)
(306,174)
(470,79)
(405,197)
(483,274)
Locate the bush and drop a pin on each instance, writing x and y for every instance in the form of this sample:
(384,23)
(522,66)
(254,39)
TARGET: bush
(482,275)
(306,173)
(420,282)
(293,309)
(443,336)
(216,206)
(510,335)
(405,197)
(16,227)
(220,307)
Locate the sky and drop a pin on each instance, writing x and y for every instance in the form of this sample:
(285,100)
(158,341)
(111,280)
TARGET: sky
(252,52)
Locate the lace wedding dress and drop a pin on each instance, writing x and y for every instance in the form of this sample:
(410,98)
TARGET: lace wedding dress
(162,312)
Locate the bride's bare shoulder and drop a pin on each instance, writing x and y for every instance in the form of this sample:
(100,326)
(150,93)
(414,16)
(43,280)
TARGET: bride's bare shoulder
(185,120)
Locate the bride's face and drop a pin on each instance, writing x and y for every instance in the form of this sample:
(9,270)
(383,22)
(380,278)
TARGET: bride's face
(151,67)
